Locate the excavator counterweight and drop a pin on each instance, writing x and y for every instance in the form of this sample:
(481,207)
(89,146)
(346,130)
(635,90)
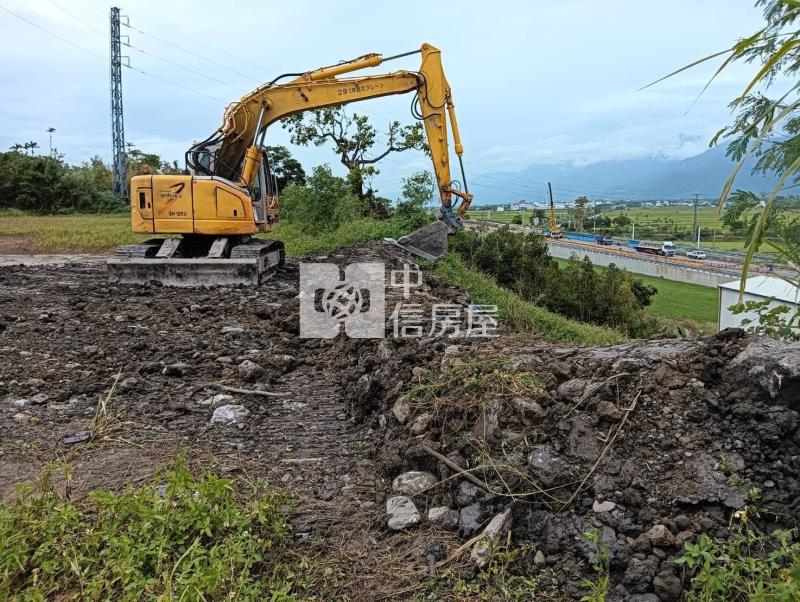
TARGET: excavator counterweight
(228,197)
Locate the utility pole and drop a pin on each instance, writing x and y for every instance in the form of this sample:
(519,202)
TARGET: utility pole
(695,229)
(118,156)
(50,131)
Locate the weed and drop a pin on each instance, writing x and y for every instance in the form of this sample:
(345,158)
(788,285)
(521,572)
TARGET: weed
(597,588)
(196,538)
(748,566)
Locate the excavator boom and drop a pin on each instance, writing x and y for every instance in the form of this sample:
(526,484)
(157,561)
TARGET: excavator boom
(229,197)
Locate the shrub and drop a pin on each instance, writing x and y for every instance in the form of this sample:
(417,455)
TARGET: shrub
(195,538)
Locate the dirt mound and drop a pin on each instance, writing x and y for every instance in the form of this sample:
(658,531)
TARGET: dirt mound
(649,443)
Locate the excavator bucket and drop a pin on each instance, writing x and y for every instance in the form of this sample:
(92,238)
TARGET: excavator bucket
(428,242)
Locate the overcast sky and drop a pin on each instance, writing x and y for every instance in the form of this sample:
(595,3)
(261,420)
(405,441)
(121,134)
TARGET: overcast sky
(533,81)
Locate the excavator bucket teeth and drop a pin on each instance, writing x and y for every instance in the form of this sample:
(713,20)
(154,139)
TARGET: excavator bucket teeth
(428,242)
(246,264)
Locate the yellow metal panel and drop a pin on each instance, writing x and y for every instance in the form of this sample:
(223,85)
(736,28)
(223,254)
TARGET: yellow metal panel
(214,204)
(172,204)
(142,204)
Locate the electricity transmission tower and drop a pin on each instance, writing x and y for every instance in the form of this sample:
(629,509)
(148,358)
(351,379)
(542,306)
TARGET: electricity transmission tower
(118,156)
(695,229)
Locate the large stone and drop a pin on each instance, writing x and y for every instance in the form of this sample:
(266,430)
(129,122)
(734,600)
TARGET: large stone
(487,425)
(401,409)
(492,534)
(608,410)
(250,371)
(421,423)
(467,493)
(178,369)
(231,331)
(470,519)
(229,414)
(413,482)
(572,390)
(660,537)
(444,517)
(546,465)
(667,586)
(606,506)
(772,365)
(639,575)
(529,411)
(401,513)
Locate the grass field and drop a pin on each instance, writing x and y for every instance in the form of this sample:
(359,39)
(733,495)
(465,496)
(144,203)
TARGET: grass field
(22,233)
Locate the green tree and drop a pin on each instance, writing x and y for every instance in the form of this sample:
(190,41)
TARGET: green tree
(580,211)
(285,168)
(417,191)
(621,221)
(325,203)
(353,139)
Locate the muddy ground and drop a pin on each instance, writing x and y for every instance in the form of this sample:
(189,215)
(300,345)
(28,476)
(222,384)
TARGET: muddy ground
(650,443)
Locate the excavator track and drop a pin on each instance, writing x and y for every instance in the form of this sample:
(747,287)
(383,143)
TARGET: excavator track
(196,262)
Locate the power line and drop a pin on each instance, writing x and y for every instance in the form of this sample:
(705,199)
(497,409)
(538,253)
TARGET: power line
(179,66)
(77,18)
(103,58)
(55,35)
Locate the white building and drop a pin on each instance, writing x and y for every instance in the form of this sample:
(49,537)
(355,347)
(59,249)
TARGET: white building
(500,208)
(757,288)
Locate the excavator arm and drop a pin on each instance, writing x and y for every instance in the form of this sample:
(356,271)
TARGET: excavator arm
(240,137)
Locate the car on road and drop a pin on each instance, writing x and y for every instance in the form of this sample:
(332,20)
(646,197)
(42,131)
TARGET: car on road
(696,254)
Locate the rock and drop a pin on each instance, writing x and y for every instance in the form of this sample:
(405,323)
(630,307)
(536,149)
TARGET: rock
(487,425)
(529,411)
(641,544)
(177,369)
(682,537)
(467,493)
(492,534)
(19,403)
(216,400)
(648,597)
(79,437)
(401,512)
(572,390)
(229,414)
(250,371)
(444,517)
(545,465)
(470,519)
(660,537)
(639,575)
(413,482)
(773,365)
(21,417)
(127,383)
(40,398)
(667,586)
(607,410)
(401,409)
(420,424)
(539,560)
(606,506)
(231,331)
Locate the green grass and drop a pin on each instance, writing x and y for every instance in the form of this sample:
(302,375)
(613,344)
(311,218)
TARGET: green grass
(523,316)
(299,242)
(25,233)
(204,537)
(685,303)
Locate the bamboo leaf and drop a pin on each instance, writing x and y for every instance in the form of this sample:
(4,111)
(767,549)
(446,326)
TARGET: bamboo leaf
(769,64)
(689,66)
(758,231)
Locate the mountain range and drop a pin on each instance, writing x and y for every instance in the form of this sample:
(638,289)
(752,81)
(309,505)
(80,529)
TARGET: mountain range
(653,178)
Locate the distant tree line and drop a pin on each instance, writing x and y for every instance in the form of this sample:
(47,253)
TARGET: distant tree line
(46,184)
(522,263)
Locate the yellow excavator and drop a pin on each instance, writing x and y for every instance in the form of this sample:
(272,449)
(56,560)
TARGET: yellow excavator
(228,195)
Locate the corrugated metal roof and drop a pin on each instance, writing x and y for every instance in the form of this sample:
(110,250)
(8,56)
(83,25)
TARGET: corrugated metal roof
(767,286)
